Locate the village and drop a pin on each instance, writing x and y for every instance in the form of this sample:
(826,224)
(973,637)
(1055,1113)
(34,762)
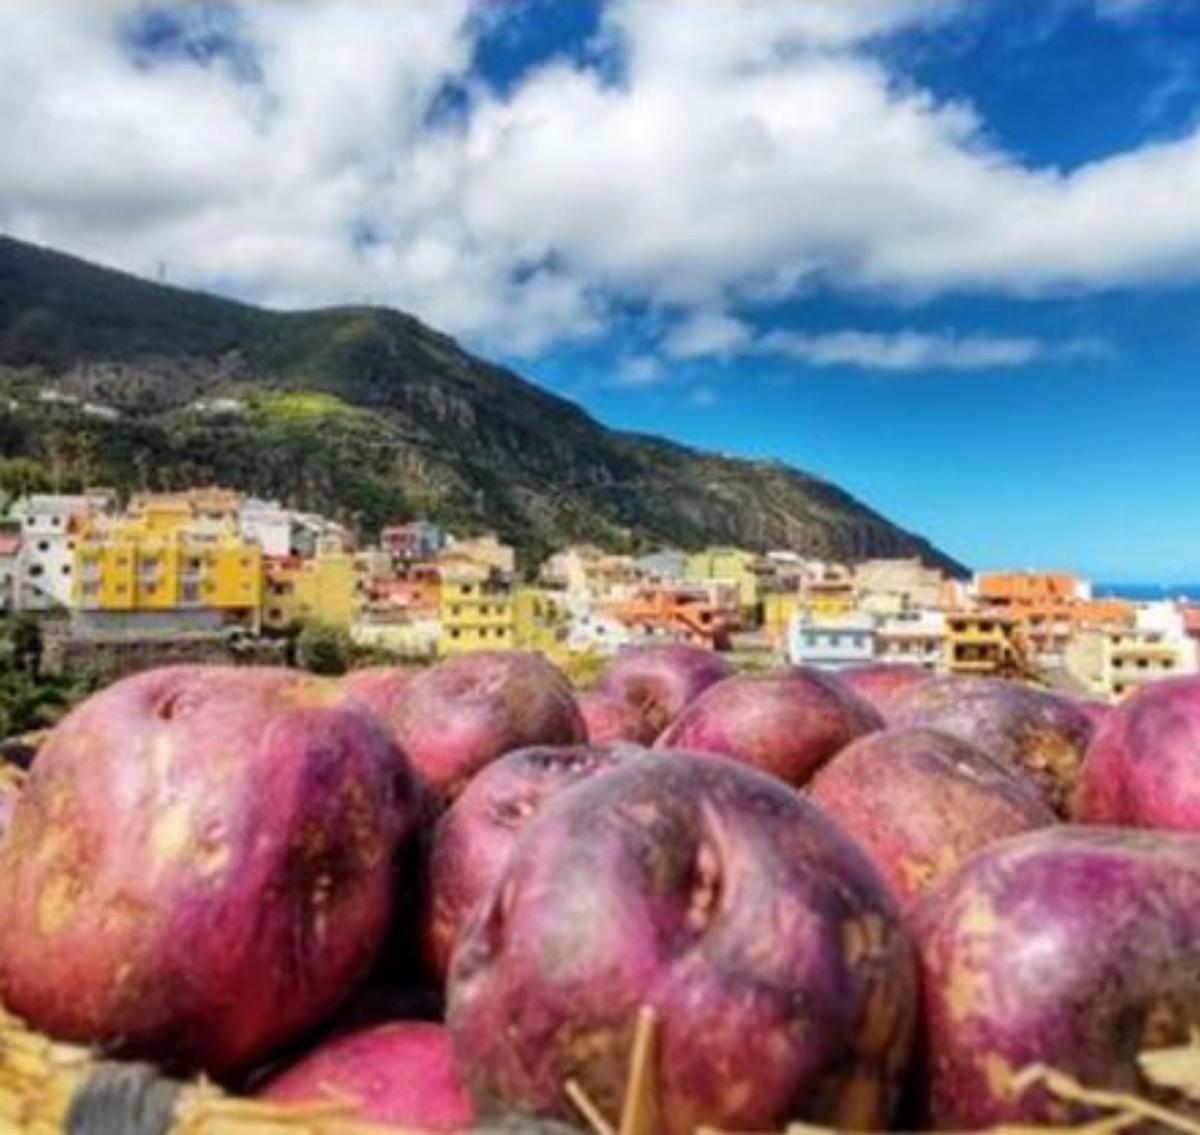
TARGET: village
(196,573)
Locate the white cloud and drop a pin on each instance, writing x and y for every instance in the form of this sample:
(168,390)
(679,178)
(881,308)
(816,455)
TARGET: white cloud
(640,370)
(749,150)
(905,350)
(707,333)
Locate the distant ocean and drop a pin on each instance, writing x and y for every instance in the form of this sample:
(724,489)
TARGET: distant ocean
(1147,592)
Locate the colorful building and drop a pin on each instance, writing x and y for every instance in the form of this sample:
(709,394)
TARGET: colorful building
(894,585)
(49,524)
(417,540)
(981,643)
(540,620)
(728,565)
(1113,661)
(832,643)
(1015,589)
(779,609)
(673,614)
(165,511)
(913,638)
(475,610)
(324,588)
(189,570)
(828,591)
(486,551)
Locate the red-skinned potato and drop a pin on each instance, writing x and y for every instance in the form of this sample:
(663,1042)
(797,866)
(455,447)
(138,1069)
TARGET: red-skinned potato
(400,1073)
(880,683)
(375,688)
(455,718)
(1031,729)
(1143,766)
(608,718)
(473,840)
(199,868)
(920,803)
(659,681)
(773,955)
(788,723)
(1073,947)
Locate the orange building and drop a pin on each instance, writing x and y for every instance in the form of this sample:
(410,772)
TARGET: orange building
(1047,608)
(678,614)
(1027,588)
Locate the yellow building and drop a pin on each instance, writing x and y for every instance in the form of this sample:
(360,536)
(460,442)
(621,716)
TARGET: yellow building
(476,610)
(134,564)
(164,511)
(727,565)
(322,589)
(980,643)
(540,620)
(779,608)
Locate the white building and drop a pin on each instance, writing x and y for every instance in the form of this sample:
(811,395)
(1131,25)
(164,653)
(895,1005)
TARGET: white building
(269,524)
(831,643)
(915,638)
(590,632)
(49,524)
(1114,661)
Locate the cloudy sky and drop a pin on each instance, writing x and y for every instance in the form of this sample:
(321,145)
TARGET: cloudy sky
(945,252)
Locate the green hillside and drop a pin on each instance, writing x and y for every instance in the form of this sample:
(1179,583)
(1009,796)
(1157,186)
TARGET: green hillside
(368,415)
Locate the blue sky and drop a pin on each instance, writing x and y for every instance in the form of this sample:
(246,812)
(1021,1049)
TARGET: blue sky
(945,253)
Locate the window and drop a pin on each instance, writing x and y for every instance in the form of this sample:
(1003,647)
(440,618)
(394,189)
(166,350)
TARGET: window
(35,570)
(66,569)
(56,521)
(456,633)
(43,545)
(274,614)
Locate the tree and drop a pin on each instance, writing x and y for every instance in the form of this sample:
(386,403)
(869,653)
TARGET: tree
(26,638)
(324,649)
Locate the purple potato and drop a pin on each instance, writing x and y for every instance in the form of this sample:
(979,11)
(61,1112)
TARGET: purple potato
(457,717)
(1030,729)
(473,840)
(881,682)
(788,723)
(659,681)
(772,953)
(1073,947)
(920,803)
(1143,766)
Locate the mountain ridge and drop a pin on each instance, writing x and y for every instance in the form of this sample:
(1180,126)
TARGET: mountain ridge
(369,414)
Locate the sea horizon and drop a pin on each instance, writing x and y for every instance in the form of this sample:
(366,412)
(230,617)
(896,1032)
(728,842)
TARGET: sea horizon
(1147,592)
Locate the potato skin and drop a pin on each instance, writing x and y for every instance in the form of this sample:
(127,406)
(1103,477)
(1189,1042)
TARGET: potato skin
(659,681)
(1030,729)
(1075,947)
(458,716)
(401,1072)
(475,837)
(199,868)
(880,683)
(788,723)
(920,803)
(1143,766)
(610,718)
(775,958)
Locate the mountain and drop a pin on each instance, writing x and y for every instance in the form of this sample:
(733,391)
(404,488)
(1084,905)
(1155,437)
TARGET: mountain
(368,415)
